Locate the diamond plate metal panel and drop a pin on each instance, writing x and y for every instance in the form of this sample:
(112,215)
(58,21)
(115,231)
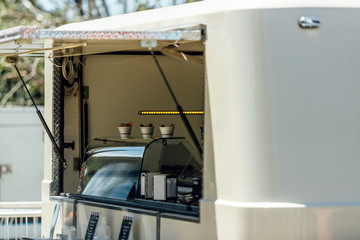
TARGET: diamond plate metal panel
(58,129)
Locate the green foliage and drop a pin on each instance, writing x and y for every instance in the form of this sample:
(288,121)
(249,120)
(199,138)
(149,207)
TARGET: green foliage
(12,92)
(142,7)
(13,13)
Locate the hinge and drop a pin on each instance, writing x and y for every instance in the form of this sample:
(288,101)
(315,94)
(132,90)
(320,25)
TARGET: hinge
(203,32)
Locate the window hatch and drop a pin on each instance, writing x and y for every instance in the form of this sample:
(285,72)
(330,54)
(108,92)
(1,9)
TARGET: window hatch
(30,41)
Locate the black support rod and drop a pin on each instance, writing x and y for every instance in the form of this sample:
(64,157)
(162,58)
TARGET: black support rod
(43,121)
(179,108)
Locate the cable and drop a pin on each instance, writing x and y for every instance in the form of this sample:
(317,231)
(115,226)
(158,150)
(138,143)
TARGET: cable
(58,66)
(72,91)
(178,107)
(67,62)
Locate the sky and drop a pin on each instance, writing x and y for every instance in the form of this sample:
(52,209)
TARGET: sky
(116,7)
(50,5)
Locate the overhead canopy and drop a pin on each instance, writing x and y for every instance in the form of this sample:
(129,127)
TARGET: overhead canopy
(30,41)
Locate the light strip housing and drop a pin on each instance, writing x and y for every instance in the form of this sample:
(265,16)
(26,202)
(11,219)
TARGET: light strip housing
(170,112)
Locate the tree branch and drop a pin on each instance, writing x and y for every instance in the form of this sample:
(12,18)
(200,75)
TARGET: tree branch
(80,7)
(36,12)
(106,8)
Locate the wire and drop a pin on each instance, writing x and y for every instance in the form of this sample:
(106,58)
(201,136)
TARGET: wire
(49,57)
(67,62)
(178,107)
(77,61)
(70,92)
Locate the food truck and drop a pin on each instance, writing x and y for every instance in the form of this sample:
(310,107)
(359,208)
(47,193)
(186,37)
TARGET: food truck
(261,100)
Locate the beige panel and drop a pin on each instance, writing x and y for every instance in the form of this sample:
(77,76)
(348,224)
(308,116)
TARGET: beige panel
(206,229)
(47,207)
(277,221)
(209,182)
(120,86)
(313,92)
(291,119)
(71,133)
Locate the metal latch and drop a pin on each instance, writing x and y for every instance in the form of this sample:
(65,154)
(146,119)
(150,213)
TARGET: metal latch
(309,22)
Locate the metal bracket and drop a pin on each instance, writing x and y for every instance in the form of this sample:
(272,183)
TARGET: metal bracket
(69,145)
(148,44)
(12,59)
(23,41)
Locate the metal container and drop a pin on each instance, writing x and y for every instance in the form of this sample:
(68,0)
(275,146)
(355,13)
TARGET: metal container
(165,187)
(146,184)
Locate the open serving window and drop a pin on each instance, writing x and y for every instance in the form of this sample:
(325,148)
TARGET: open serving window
(103,78)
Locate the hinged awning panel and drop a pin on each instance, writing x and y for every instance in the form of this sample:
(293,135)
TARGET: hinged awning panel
(121,35)
(29,41)
(18,33)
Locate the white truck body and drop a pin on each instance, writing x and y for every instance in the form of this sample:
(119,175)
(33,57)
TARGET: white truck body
(281,114)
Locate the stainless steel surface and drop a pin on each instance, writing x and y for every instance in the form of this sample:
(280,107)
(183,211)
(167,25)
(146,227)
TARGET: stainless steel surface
(54,219)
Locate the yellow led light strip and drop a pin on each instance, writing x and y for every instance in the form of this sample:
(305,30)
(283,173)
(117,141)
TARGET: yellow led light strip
(157,112)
